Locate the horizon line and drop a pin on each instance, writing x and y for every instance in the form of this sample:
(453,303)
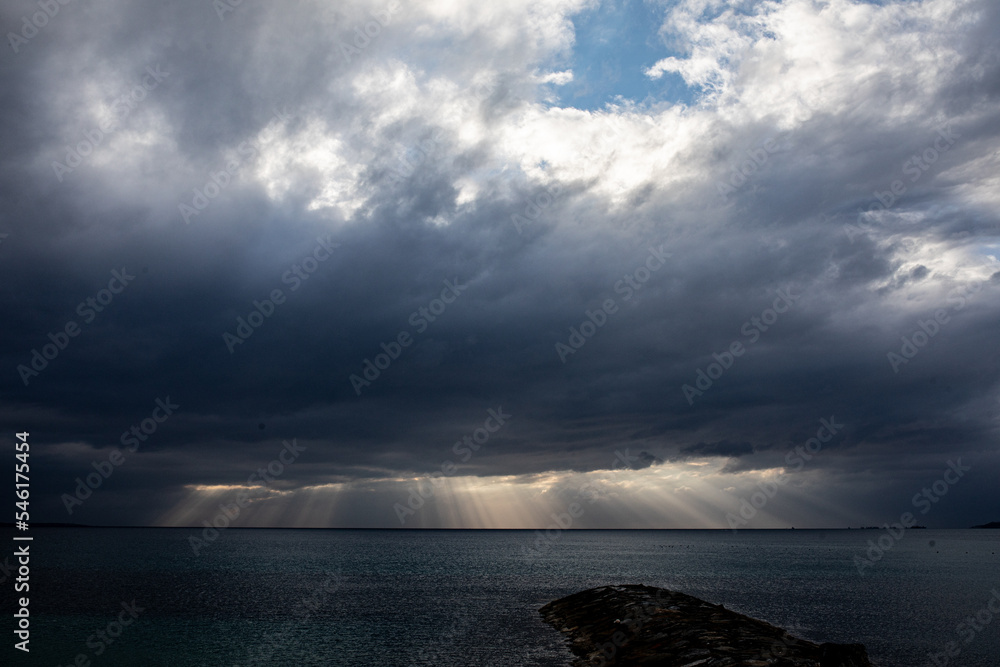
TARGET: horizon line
(230,527)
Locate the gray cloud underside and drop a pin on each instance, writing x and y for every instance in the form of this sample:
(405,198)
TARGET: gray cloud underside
(865,281)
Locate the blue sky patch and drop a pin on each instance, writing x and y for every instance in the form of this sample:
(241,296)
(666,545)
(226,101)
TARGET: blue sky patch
(615,43)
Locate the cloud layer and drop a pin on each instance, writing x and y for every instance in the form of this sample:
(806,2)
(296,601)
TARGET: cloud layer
(365,227)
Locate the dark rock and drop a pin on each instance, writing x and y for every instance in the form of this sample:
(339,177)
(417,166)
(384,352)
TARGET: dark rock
(843,655)
(626,626)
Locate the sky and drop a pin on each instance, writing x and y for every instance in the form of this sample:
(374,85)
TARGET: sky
(685,264)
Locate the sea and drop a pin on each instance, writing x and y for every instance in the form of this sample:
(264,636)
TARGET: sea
(142,597)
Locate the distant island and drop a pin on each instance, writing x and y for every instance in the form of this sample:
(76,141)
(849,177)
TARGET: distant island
(991,524)
(635,625)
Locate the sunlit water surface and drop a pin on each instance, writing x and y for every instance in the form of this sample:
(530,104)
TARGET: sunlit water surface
(403,598)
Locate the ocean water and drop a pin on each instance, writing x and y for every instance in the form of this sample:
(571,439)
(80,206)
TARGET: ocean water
(400,598)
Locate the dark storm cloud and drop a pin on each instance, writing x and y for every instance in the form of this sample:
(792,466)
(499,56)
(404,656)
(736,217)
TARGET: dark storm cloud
(394,239)
(722,448)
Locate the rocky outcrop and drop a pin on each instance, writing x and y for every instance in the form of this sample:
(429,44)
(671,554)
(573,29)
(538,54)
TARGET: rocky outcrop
(624,626)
